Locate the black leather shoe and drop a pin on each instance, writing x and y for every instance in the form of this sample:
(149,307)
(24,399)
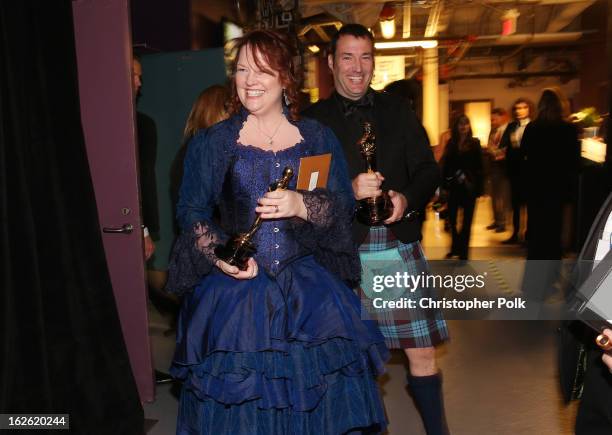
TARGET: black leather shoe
(162,378)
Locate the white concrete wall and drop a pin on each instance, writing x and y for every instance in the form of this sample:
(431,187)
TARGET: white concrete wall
(501,95)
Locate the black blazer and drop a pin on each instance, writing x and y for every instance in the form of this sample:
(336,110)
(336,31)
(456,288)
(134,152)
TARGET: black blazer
(514,156)
(403,155)
(551,152)
(469,162)
(147,155)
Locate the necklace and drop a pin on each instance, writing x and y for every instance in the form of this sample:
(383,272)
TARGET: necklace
(270,138)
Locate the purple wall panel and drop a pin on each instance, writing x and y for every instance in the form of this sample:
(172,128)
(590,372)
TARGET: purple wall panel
(103,44)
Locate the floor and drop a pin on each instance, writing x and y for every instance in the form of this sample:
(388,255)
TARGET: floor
(500,377)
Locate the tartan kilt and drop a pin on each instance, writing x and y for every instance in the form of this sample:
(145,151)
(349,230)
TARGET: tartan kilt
(409,327)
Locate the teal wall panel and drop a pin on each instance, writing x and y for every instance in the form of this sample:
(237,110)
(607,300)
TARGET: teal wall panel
(171,83)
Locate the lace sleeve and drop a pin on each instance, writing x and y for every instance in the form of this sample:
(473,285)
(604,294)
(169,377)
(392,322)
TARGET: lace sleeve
(327,230)
(193,255)
(319,208)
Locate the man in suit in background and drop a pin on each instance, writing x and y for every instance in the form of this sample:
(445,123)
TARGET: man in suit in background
(497,170)
(522,111)
(408,169)
(147,155)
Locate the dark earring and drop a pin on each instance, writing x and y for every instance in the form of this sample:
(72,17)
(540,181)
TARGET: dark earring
(285,98)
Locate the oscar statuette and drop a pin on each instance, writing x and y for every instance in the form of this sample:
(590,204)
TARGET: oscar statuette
(239,248)
(372,211)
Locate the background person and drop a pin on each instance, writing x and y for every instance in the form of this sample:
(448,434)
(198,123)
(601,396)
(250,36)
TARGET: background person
(208,109)
(522,111)
(551,150)
(497,170)
(463,178)
(607,356)
(147,156)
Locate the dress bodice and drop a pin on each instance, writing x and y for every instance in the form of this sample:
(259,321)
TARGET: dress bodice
(250,174)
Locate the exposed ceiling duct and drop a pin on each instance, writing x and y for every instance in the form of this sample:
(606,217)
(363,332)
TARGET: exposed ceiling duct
(407,20)
(566,15)
(532,39)
(362,13)
(534,2)
(434,16)
(512,75)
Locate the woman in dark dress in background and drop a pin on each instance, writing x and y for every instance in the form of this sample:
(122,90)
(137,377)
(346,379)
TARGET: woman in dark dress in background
(463,178)
(208,109)
(551,151)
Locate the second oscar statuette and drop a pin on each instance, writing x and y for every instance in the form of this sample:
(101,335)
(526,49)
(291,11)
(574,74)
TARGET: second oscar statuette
(375,210)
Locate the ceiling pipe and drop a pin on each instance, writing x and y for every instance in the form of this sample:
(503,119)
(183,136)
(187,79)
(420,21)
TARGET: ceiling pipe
(460,54)
(512,75)
(529,38)
(327,2)
(567,14)
(515,52)
(406,22)
(496,40)
(432,22)
(535,2)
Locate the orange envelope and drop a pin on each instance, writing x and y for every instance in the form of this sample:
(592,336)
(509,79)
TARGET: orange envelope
(313,172)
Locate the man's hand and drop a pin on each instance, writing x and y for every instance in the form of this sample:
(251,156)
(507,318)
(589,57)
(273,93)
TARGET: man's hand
(367,185)
(149,247)
(400,203)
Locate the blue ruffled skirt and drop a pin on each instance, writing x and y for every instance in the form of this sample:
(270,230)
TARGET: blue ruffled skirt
(282,355)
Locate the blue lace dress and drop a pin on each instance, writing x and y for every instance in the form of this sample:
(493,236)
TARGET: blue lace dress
(286,352)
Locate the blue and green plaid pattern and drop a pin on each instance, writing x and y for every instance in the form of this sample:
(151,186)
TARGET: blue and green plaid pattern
(404,328)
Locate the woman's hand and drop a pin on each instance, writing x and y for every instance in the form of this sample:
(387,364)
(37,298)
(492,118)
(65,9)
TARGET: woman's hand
(607,356)
(234,272)
(282,204)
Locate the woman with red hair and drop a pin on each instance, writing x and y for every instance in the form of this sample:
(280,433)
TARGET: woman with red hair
(279,347)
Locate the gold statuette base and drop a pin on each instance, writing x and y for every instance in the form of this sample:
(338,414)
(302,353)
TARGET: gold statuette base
(374,211)
(236,251)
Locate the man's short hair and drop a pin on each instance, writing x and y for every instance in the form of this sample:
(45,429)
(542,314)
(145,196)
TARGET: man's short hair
(499,111)
(353,29)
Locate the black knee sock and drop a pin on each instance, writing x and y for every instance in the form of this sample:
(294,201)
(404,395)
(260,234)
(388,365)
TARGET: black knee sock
(427,394)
